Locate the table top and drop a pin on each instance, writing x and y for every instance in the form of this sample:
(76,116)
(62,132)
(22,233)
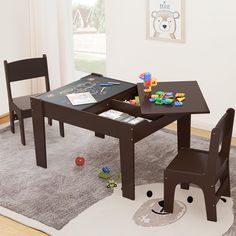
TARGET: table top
(91,84)
(193,104)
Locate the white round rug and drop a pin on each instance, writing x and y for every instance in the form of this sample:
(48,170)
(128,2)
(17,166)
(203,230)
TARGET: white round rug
(118,216)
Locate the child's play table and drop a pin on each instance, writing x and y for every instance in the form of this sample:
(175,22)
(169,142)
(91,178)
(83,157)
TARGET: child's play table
(56,105)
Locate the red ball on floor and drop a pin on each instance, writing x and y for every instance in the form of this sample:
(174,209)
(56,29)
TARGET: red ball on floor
(79,161)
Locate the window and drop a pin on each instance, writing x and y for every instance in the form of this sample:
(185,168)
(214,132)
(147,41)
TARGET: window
(89,35)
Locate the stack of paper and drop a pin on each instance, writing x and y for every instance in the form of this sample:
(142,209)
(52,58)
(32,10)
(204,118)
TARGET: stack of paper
(81,98)
(121,116)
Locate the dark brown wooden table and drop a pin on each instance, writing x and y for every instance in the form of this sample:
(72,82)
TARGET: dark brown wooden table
(55,105)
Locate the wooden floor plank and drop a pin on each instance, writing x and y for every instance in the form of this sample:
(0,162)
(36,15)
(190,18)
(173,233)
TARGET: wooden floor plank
(10,227)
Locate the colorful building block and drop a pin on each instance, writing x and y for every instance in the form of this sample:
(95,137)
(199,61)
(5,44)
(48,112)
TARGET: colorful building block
(178,104)
(152,99)
(158,101)
(179,95)
(148,81)
(168,101)
(159,93)
(104,175)
(106,169)
(169,94)
(181,99)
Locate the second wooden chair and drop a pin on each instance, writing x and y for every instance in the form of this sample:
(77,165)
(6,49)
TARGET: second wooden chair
(19,107)
(203,168)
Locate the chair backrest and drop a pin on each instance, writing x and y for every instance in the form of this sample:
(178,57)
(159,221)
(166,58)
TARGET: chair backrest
(221,137)
(26,69)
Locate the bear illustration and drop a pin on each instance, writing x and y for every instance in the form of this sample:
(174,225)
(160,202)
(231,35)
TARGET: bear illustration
(146,216)
(164,24)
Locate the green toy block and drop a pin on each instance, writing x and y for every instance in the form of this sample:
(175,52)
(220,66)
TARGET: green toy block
(169,101)
(103,175)
(159,93)
(158,101)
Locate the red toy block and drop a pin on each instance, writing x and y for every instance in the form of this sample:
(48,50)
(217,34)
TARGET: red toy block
(147,83)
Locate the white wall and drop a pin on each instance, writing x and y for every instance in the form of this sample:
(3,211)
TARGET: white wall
(14,43)
(208,55)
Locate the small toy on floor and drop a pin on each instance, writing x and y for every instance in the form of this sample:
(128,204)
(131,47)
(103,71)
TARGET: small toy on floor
(106,169)
(105,173)
(111,184)
(79,161)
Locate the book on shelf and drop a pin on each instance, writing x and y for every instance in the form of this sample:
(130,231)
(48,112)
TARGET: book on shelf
(121,116)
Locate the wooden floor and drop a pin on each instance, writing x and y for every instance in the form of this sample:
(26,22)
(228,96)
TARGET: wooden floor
(11,228)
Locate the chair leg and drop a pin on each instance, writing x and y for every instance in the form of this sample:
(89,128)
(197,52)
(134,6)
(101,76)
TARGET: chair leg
(184,186)
(22,130)
(226,178)
(169,193)
(50,121)
(12,121)
(99,135)
(210,202)
(62,132)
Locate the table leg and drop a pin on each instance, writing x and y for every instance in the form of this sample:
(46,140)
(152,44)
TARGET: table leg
(184,135)
(99,135)
(62,130)
(127,166)
(39,132)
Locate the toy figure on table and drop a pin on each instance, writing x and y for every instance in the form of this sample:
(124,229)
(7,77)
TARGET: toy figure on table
(148,81)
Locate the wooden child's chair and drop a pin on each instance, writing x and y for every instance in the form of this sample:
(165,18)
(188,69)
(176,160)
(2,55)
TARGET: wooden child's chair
(203,168)
(19,107)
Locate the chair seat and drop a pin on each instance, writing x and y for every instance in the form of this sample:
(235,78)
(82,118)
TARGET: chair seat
(192,161)
(23,103)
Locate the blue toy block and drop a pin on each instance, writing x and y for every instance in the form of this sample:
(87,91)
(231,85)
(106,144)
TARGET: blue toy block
(106,170)
(152,99)
(167,101)
(169,94)
(147,76)
(178,104)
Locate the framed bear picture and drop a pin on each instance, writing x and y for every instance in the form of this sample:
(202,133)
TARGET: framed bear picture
(165,20)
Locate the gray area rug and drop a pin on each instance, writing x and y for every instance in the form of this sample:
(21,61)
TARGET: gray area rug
(59,193)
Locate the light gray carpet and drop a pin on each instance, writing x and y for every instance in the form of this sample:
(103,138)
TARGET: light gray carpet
(59,193)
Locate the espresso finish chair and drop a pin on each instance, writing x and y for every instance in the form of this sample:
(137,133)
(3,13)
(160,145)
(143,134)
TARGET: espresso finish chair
(203,168)
(19,107)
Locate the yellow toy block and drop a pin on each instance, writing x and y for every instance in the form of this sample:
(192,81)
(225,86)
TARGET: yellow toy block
(149,90)
(154,96)
(179,95)
(181,99)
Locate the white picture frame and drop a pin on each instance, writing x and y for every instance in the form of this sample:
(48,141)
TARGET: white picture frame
(166,20)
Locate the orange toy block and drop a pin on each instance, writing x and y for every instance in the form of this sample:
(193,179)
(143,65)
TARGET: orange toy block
(132,102)
(153,82)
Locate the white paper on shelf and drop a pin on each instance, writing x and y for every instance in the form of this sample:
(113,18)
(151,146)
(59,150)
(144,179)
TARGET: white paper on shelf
(81,98)
(121,116)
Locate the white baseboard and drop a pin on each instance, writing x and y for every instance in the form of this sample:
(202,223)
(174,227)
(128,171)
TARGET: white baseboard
(207,126)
